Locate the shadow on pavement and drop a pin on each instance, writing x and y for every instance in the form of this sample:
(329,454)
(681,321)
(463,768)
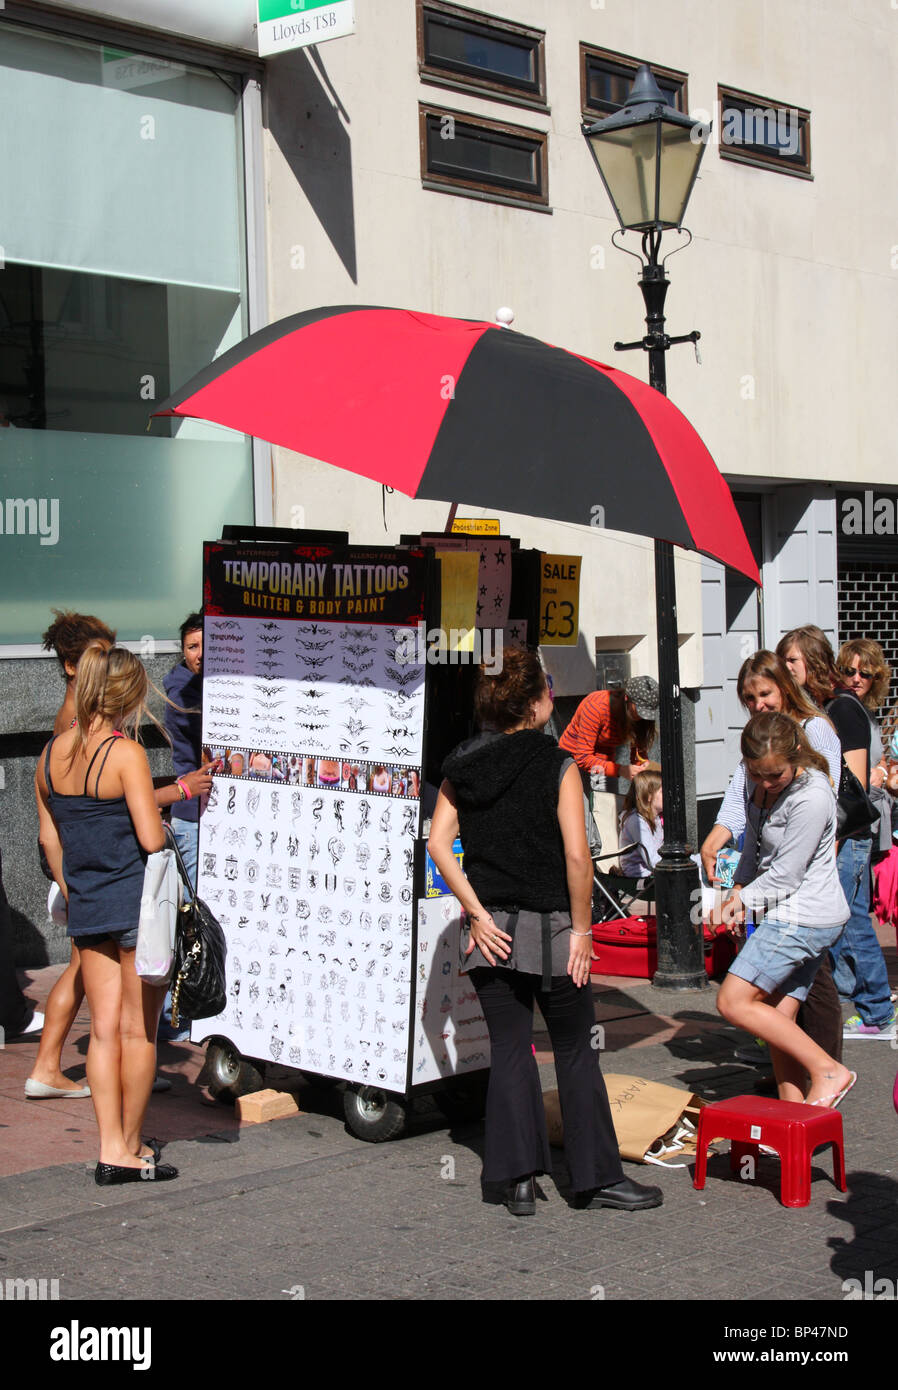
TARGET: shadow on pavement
(867,1261)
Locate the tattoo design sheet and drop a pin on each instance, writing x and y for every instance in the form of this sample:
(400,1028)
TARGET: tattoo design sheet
(289,687)
(307,841)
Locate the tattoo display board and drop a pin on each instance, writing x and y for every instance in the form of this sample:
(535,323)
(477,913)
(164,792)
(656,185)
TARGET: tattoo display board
(314,700)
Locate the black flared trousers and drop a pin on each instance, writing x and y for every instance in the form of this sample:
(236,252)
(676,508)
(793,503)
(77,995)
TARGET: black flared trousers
(517,1143)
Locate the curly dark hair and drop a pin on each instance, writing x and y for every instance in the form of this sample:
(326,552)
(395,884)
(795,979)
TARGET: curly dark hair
(504,698)
(72,633)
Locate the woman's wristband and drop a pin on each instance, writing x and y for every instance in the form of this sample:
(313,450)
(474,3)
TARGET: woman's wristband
(183,788)
(580,933)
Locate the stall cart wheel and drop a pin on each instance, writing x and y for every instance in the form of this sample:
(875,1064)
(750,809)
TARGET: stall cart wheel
(463,1098)
(374,1115)
(229,1075)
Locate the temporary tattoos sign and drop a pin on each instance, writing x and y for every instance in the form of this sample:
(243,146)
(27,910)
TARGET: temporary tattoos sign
(313,702)
(315,582)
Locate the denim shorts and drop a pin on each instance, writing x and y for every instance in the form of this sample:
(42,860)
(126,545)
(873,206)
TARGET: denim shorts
(126,940)
(783,958)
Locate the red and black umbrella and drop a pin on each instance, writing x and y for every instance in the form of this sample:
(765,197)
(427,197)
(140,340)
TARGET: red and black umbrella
(458,410)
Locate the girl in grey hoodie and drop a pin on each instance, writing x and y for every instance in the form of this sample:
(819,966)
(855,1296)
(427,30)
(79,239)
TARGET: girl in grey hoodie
(792,891)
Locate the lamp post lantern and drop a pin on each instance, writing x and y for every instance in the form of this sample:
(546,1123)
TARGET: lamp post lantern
(648,155)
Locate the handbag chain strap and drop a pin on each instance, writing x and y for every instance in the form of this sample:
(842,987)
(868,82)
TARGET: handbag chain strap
(192,954)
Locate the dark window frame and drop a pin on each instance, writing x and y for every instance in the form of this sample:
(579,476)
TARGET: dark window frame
(630,65)
(480,188)
(754,155)
(517,94)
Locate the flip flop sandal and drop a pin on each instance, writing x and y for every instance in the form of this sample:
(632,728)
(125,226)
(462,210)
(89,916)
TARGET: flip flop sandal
(831,1102)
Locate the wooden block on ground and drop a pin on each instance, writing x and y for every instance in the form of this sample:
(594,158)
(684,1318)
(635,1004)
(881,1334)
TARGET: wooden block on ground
(262,1106)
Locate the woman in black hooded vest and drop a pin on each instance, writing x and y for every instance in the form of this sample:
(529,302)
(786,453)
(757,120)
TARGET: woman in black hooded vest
(515,799)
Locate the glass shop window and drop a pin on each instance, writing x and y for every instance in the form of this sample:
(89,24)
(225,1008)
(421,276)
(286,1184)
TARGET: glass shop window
(123,274)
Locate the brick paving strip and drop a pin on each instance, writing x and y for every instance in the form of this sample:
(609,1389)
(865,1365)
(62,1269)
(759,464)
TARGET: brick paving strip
(300,1209)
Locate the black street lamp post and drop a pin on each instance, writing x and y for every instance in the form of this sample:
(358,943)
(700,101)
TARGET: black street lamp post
(648,156)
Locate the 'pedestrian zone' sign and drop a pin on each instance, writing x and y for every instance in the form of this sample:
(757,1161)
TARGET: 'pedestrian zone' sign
(286,24)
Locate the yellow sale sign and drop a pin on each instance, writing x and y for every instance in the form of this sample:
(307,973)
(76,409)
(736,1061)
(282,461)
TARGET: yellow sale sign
(559,603)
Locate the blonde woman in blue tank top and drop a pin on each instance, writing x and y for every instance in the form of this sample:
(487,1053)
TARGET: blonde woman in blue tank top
(98,822)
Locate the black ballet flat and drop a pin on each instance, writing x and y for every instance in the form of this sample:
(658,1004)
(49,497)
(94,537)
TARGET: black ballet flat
(107,1174)
(153,1145)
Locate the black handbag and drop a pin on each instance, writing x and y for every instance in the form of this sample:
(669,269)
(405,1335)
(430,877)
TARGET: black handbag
(198,982)
(855,810)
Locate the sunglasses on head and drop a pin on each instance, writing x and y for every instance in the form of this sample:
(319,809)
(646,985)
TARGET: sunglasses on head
(864,675)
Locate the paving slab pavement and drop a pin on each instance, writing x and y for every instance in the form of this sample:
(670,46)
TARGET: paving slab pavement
(299,1210)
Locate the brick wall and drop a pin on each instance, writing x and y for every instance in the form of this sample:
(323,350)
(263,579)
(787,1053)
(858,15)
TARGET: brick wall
(868,607)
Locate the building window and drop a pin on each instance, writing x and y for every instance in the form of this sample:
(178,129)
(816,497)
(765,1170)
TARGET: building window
(483,159)
(465,49)
(606,79)
(768,134)
(124,275)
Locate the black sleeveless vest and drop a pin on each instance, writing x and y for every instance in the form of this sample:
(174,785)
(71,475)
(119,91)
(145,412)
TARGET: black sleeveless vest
(506,788)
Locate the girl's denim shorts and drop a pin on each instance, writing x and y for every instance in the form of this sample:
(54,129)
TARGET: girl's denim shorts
(783,958)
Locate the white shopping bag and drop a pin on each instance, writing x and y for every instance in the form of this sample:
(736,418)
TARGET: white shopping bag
(159,904)
(57,906)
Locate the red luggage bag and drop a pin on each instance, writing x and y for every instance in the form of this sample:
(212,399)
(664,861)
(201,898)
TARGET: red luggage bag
(629,946)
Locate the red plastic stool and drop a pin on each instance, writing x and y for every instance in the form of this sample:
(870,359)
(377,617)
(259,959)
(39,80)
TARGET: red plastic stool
(794,1131)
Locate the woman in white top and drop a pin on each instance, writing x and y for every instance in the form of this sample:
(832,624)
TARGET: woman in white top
(766,686)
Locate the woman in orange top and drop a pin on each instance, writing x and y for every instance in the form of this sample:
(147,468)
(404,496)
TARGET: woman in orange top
(606,719)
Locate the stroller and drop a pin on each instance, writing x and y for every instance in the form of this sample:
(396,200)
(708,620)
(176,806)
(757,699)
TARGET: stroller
(613,894)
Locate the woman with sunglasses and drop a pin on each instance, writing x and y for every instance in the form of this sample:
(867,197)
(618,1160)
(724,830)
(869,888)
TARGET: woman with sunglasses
(859,968)
(865,671)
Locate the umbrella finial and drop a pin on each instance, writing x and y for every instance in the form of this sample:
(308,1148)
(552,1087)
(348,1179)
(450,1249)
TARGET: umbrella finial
(505,317)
